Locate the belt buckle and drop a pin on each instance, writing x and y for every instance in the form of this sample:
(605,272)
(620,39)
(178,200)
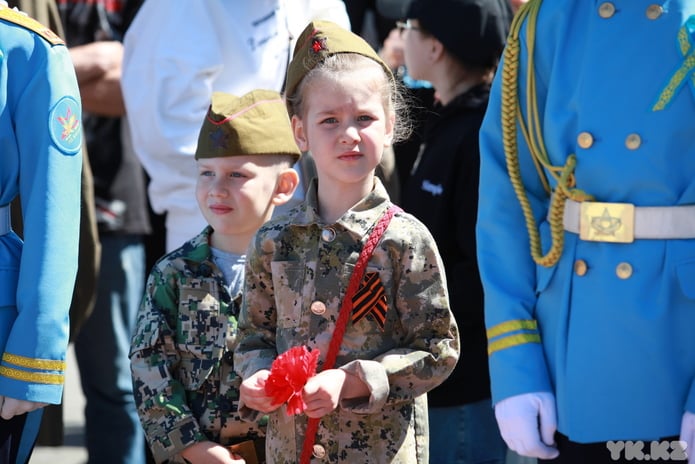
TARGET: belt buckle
(607,222)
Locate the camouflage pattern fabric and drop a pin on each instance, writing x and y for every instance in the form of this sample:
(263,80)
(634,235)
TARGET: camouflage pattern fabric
(293,263)
(185,386)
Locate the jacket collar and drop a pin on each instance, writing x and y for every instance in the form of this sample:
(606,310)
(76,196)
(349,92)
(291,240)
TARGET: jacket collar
(358,220)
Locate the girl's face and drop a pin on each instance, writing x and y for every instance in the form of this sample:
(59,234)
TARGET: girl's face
(345,126)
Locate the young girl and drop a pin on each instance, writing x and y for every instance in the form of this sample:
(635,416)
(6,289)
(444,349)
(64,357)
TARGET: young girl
(371,401)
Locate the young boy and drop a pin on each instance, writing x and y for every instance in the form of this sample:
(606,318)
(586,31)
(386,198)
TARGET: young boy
(181,355)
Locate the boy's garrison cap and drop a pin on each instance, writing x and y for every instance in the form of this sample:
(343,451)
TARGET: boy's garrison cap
(254,124)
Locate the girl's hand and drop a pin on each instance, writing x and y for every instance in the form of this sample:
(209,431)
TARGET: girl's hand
(322,392)
(252,393)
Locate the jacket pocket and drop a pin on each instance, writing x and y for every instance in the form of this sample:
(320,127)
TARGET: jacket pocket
(200,334)
(288,283)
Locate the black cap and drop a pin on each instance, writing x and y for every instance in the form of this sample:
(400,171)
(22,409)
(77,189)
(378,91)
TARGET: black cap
(392,9)
(474,31)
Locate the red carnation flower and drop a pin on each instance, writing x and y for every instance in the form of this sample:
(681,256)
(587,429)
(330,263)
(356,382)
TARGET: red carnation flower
(288,375)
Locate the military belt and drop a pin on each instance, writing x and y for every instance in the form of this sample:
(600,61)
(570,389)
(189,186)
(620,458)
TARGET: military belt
(5,223)
(625,222)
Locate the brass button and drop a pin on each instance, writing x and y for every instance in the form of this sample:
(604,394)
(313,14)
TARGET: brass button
(654,11)
(319,451)
(580,267)
(585,140)
(318,307)
(606,10)
(633,141)
(328,234)
(624,270)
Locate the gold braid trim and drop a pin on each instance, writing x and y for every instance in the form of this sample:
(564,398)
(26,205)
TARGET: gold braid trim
(683,40)
(512,340)
(682,75)
(507,334)
(31,363)
(531,130)
(36,364)
(33,377)
(677,81)
(511,326)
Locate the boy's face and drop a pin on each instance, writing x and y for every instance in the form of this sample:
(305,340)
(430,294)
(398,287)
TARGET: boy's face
(236,195)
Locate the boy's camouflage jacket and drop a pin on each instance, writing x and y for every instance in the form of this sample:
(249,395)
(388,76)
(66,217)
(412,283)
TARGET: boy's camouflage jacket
(185,387)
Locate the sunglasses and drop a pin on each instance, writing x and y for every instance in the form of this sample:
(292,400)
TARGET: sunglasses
(406,25)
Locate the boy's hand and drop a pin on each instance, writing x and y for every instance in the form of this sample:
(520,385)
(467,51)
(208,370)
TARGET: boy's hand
(322,392)
(208,452)
(252,393)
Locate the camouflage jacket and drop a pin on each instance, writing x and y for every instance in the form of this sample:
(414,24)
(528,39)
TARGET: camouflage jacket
(185,387)
(296,274)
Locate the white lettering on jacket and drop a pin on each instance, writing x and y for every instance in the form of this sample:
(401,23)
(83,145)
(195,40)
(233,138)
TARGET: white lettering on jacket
(434,189)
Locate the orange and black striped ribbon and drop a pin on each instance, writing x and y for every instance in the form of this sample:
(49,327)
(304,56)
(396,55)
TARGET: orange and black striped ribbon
(370,299)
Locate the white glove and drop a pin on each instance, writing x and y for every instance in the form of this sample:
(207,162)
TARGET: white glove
(528,423)
(688,435)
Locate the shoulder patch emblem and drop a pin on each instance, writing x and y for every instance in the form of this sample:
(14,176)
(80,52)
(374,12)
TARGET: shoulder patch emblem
(65,124)
(16,17)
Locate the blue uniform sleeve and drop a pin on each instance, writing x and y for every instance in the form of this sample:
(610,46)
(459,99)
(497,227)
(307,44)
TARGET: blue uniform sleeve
(508,272)
(43,103)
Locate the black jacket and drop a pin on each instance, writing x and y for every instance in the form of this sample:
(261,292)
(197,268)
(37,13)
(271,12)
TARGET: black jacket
(442,192)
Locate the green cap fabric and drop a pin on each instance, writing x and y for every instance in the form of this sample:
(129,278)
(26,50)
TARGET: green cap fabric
(254,124)
(319,40)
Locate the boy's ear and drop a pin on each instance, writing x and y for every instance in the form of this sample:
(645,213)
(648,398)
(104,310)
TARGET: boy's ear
(288,181)
(299,133)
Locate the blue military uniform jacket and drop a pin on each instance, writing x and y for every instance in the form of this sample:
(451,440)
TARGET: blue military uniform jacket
(609,327)
(40,159)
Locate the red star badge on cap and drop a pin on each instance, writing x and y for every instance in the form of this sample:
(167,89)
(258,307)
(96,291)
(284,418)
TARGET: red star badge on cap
(318,44)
